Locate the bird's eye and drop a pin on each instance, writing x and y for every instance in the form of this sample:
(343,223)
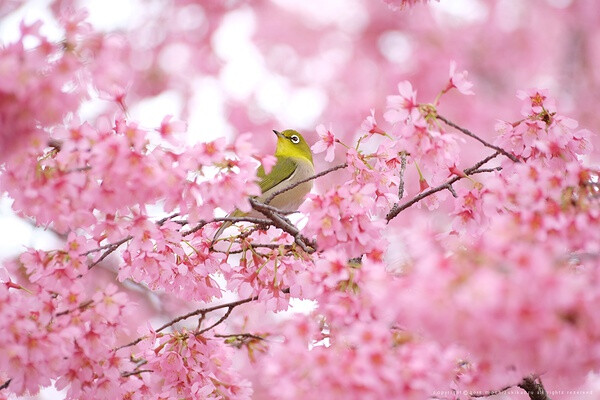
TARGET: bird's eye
(295,139)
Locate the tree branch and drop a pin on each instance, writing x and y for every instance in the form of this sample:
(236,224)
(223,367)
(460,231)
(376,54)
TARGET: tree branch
(110,249)
(200,311)
(402,170)
(480,140)
(446,185)
(80,307)
(135,372)
(202,223)
(219,321)
(5,384)
(240,335)
(315,176)
(282,223)
(534,388)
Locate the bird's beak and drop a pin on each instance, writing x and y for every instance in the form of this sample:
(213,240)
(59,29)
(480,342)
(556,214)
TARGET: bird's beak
(277,133)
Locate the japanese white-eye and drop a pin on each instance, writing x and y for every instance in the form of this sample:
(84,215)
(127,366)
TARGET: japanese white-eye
(294,163)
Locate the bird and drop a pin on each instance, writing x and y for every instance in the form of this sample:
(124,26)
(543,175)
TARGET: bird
(294,163)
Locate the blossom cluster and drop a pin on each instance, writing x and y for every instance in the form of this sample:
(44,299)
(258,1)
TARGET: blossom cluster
(33,86)
(476,297)
(68,338)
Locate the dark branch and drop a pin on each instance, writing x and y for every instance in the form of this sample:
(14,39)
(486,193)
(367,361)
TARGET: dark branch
(284,224)
(107,246)
(402,170)
(480,140)
(446,185)
(219,321)
(135,372)
(165,219)
(80,307)
(203,223)
(5,384)
(110,249)
(534,388)
(200,311)
(290,187)
(240,335)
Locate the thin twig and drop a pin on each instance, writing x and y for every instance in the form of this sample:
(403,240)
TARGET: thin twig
(107,246)
(300,182)
(469,171)
(451,190)
(110,250)
(219,321)
(401,183)
(240,335)
(200,311)
(5,384)
(402,170)
(203,223)
(480,140)
(135,372)
(82,306)
(165,219)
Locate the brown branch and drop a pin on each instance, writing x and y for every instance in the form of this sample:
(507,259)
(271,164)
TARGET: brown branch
(240,335)
(534,388)
(219,321)
(111,248)
(315,176)
(135,372)
(203,223)
(55,143)
(200,311)
(5,384)
(284,224)
(480,140)
(401,183)
(446,185)
(82,306)
(165,219)
(107,246)
(402,170)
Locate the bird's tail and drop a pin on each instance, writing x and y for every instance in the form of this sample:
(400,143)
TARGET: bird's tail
(227,224)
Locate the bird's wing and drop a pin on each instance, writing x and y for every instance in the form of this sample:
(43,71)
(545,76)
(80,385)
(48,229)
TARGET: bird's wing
(285,168)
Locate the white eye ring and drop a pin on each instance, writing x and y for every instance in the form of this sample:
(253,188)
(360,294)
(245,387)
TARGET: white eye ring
(295,139)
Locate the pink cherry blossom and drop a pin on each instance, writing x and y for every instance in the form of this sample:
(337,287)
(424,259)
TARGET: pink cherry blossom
(401,108)
(443,259)
(326,142)
(459,80)
(369,125)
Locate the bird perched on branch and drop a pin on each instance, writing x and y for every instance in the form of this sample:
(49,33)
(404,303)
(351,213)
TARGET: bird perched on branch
(294,163)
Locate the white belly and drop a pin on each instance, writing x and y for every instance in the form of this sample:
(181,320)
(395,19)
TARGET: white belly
(291,199)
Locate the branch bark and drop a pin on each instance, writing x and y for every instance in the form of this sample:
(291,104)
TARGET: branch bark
(480,140)
(534,388)
(446,185)
(315,176)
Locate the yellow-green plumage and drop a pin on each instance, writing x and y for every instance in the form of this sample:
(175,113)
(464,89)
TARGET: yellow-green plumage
(294,163)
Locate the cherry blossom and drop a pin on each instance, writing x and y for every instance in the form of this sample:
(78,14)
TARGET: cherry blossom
(326,142)
(439,258)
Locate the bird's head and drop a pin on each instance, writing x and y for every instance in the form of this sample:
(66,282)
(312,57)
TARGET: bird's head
(291,144)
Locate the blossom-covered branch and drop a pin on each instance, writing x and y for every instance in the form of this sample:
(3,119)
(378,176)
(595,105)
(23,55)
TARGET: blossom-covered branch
(475,169)
(476,137)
